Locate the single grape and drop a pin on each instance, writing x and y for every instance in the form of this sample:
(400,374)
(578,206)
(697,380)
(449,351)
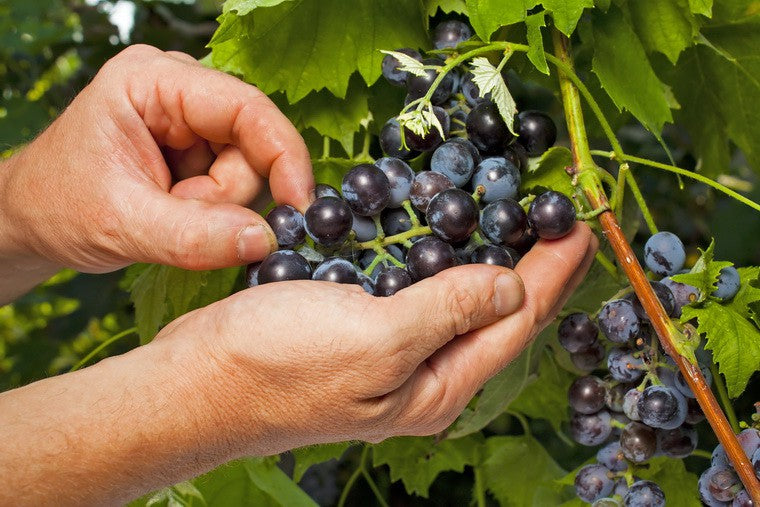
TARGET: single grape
(526,242)
(287,224)
(576,331)
(494,255)
(638,442)
(366,189)
(644,494)
(618,321)
(283,265)
(499,177)
(432,138)
(630,404)
(366,282)
(719,457)
(662,407)
(611,456)
(616,395)
(395,221)
(503,221)
(252,274)
(390,66)
(328,221)
(729,283)
(455,160)
(683,294)
(392,280)
(452,215)
(429,256)
(325,190)
(516,154)
(749,439)
(683,387)
(590,429)
(364,228)
(400,177)
(425,186)
(536,132)
(665,296)
(704,487)
(587,394)
(335,269)
(625,365)
(664,253)
(551,215)
(593,482)
(724,484)
(742,499)
(677,443)
(418,86)
(589,358)
(694,414)
(390,141)
(449,34)
(486,128)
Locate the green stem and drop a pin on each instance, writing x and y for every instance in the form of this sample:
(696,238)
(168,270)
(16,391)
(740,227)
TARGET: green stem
(523,422)
(701,453)
(480,491)
(728,408)
(407,205)
(372,485)
(636,191)
(102,346)
(684,172)
(325,147)
(422,230)
(620,189)
(353,478)
(607,264)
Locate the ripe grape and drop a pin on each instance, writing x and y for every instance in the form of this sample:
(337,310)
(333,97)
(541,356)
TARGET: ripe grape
(612,457)
(724,484)
(719,457)
(704,487)
(618,321)
(638,442)
(551,215)
(390,141)
(683,387)
(287,224)
(432,138)
(644,494)
(593,482)
(283,265)
(516,154)
(677,443)
(335,269)
(742,499)
(683,294)
(395,221)
(392,280)
(665,296)
(391,65)
(503,221)
(588,358)
(325,190)
(449,34)
(328,221)
(418,86)
(662,407)
(587,395)
(694,414)
(728,284)
(499,177)
(452,215)
(252,274)
(494,255)
(590,429)
(664,253)
(536,132)
(486,128)
(624,365)
(425,186)
(471,91)
(364,228)
(576,331)
(366,282)
(429,256)
(756,462)
(456,158)
(366,189)
(631,404)
(400,177)
(749,439)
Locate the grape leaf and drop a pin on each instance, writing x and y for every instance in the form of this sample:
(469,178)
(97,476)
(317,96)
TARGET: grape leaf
(520,459)
(566,13)
(301,45)
(549,172)
(534,23)
(678,484)
(417,461)
(432,6)
(703,7)
(624,72)
(331,170)
(269,478)
(308,456)
(243,7)
(704,274)
(488,15)
(148,294)
(664,25)
(489,80)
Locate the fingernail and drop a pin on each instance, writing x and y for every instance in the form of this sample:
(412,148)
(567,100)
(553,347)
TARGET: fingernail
(255,242)
(507,293)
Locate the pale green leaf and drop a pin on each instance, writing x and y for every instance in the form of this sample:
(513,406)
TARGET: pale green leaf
(663,25)
(308,456)
(703,7)
(432,6)
(407,63)
(148,294)
(331,170)
(678,484)
(243,7)
(704,274)
(269,478)
(488,15)
(549,171)
(489,80)
(536,55)
(566,13)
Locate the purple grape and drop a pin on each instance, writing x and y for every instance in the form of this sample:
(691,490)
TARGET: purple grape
(588,358)
(337,270)
(390,141)
(418,86)
(429,256)
(587,394)
(616,395)
(494,255)
(364,228)
(576,331)
(536,132)
(593,482)
(328,221)
(728,284)
(395,221)
(392,280)
(749,439)
(638,442)
(704,488)
(683,387)
(624,365)
(618,321)
(499,177)
(325,190)
(366,282)
(724,484)
(665,296)
(366,189)
(516,154)
(503,221)
(677,443)
(400,177)
(486,128)
(432,138)
(551,215)
(644,494)
(391,65)
(283,265)
(611,456)
(662,407)
(664,253)
(425,186)
(742,499)
(456,160)
(252,274)
(683,294)
(590,429)
(630,404)
(449,34)
(287,223)
(452,215)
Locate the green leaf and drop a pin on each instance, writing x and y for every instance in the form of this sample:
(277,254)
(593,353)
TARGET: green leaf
(305,45)
(534,23)
(432,6)
(704,274)
(489,80)
(269,478)
(664,25)
(148,294)
(566,13)
(678,484)
(521,461)
(624,72)
(243,7)
(549,172)
(331,170)
(488,15)
(703,7)
(417,461)
(546,398)
(308,456)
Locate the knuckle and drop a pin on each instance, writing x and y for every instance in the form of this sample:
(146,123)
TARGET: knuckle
(191,239)
(459,305)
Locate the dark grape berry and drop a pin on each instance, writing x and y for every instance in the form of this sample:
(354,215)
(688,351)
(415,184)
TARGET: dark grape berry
(471,91)
(742,499)
(390,66)
(683,294)
(749,439)
(328,221)
(516,154)
(593,482)
(704,487)
(683,387)
(664,254)
(694,414)
(364,228)
(418,86)
(283,265)
(252,274)
(756,462)
(631,404)
(618,321)
(366,189)
(287,224)
(456,160)
(724,484)
(452,215)
(536,132)
(588,358)
(336,270)
(577,332)
(390,141)
(677,443)
(392,280)
(432,138)
(638,442)
(449,34)
(494,255)
(665,296)
(503,221)
(644,494)
(325,190)
(551,215)
(660,407)
(499,177)
(587,395)
(366,282)
(429,256)
(612,457)
(400,177)
(590,429)
(487,130)
(624,365)
(728,284)
(395,221)
(425,186)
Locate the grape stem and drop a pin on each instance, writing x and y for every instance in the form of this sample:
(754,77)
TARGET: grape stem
(480,493)
(361,469)
(102,346)
(421,230)
(670,336)
(607,264)
(720,386)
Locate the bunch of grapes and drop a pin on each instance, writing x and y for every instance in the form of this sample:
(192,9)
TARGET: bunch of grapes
(719,486)
(390,226)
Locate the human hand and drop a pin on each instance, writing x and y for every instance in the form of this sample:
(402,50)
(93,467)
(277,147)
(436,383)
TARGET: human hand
(322,362)
(154,161)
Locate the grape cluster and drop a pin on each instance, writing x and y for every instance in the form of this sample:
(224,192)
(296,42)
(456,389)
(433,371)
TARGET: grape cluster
(389,226)
(719,486)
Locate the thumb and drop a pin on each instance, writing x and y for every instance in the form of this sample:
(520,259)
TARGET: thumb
(195,234)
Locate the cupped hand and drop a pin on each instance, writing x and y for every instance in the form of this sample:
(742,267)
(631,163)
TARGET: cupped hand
(155,161)
(296,363)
